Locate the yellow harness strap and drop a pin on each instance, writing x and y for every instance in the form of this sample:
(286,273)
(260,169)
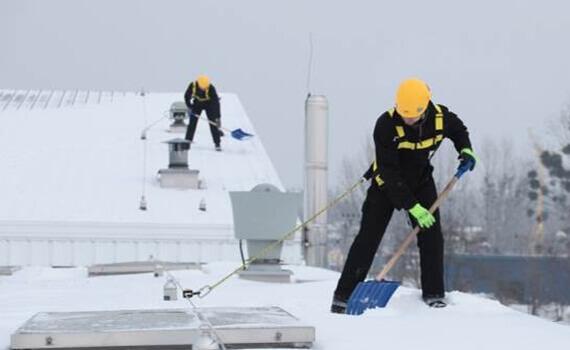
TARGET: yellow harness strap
(377,178)
(423,144)
(195,95)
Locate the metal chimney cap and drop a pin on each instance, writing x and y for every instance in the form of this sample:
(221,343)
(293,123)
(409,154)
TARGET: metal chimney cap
(179,106)
(177,141)
(317,99)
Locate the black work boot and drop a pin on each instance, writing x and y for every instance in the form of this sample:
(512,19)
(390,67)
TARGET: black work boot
(218,148)
(338,305)
(435,301)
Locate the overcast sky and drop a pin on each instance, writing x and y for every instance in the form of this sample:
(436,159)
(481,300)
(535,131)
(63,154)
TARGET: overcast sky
(503,66)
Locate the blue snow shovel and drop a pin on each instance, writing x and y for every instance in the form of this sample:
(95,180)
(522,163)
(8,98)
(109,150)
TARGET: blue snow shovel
(237,134)
(377,292)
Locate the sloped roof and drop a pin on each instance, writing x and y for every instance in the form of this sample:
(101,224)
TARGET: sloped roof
(76,158)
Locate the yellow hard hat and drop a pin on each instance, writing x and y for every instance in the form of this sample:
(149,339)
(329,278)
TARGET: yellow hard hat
(412,98)
(203,82)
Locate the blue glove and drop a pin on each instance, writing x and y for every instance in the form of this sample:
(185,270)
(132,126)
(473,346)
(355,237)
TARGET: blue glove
(467,159)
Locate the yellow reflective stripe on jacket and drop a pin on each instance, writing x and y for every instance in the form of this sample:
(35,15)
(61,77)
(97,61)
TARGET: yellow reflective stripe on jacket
(406,145)
(427,143)
(420,145)
(201,99)
(377,177)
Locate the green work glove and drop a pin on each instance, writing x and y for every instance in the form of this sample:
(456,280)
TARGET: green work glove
(422,216)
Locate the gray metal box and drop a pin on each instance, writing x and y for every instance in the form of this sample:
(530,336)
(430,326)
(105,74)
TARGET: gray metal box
(257,327)
(264,215)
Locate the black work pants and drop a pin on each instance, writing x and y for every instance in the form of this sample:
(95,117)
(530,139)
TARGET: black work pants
(376,214)
(213,114)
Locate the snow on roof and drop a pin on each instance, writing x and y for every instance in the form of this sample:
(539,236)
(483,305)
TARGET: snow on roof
(469,322)
(76,158)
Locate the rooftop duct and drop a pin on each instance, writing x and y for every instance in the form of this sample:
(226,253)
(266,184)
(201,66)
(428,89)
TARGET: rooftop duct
(261,217)
(178,175)
(178,113)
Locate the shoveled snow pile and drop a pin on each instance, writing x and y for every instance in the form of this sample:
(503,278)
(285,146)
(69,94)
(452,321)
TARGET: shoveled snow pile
(469,322)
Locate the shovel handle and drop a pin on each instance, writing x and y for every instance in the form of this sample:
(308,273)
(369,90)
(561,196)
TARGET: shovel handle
(390,264)
(211,122)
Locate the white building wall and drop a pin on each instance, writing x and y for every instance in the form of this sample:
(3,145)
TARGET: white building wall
(40,251)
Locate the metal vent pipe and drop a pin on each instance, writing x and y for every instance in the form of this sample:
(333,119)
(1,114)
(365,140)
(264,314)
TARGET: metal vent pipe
(316,182)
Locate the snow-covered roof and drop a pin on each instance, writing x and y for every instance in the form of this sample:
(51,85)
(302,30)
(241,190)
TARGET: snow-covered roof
(75,158)
(469,322)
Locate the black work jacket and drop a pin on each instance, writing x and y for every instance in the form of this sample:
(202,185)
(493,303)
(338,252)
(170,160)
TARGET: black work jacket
(403,170)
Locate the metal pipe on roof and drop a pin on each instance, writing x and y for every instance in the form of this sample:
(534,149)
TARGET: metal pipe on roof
(316,159)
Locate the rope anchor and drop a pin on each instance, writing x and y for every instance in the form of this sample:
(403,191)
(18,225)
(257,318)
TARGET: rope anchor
(201,293)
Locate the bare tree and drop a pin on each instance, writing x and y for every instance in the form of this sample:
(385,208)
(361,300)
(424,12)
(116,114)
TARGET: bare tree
(461,210)
(550,191)
(504,197)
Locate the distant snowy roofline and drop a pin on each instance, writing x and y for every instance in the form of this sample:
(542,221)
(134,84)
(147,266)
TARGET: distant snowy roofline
(43,99)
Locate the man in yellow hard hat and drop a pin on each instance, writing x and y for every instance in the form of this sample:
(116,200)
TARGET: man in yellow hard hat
(405,138)
(201,96)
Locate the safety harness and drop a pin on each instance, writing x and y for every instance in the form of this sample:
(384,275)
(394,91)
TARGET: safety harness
(422,144)
(195,95)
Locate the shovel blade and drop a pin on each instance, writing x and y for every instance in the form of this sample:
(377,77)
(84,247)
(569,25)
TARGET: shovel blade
(239,134)
(370,295)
